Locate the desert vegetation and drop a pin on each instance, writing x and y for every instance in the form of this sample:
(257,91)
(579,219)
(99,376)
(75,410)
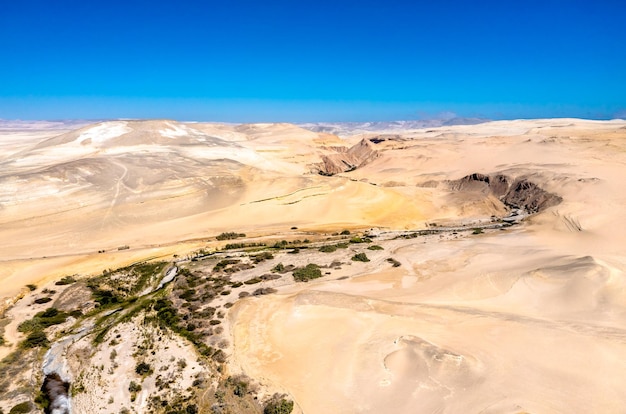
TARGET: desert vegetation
(306,273)
(230,236)
(360,257)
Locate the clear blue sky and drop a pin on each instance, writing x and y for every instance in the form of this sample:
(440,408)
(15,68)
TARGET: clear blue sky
(245,61)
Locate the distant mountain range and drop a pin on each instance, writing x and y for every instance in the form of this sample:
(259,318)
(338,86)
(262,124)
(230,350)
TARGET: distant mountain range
(337,128)
(352,128)
(8,124)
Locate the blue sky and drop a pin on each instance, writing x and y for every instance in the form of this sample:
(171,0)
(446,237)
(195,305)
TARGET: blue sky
(248,61)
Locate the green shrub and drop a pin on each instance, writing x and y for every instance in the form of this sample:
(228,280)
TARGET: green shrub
(328,248)
(221,265)
(279,268)
(144,272)
(281,244)
(278,405)
(105,297)
(35,339)
(345,233)
(29,326)
(261,257)
(394,262)
(477,230)
(309,272)
(42,400)
(360,257)
(230,235)
(375,247)
(187,295)
(67,280)
(240,385)
(22,408)
(231,246)
(166,313)
(41,320)
(219,356)
(357,239)
(143,368)
(134,387)
(31,287)
(42,300)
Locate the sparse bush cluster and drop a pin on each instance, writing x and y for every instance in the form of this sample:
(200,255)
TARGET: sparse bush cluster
(118,286)
(330,248)
(284,244)
(105,297)
(168,317)
(134,387)
(240,385)
(278,404)
(66,280)
(416,234)
(261,257)
(35,339)
(42,320)
(309,272)
(22,408)
(232,246)
(281,268)
(360,257)
(223,264)
(143,368)
(230,235)
(185,311)
(358,239)
(281,244)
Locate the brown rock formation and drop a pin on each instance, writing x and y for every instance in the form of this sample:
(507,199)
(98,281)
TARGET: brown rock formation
(529,196)
(347,159)
(520,193)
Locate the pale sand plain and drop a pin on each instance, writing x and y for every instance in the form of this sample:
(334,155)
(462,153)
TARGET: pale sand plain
(531,319)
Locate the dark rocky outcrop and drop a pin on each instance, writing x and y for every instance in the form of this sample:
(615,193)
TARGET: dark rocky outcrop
(56,391)
(530,197)
(499,185)
(472,182)
(519,194)
(347,159)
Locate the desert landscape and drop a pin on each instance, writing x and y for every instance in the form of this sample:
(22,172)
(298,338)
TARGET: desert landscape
(162,266)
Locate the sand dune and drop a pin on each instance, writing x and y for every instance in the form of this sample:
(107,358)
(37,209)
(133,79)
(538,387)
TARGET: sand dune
(531,319)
